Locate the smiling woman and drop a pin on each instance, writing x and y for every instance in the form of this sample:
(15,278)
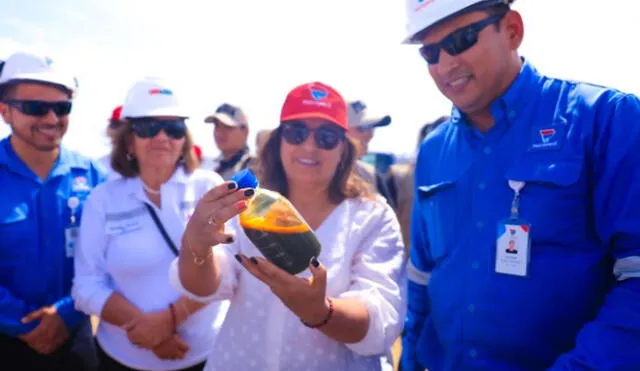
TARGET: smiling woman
(345,309)
(130,236)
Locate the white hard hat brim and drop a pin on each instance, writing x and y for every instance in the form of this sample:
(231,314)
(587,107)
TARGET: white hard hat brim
(158,112)
(51,78)
(412,38)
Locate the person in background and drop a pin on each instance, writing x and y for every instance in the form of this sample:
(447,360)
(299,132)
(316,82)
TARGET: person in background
(44,188)
(400,183)
(230,132)
(114,124)
(342,314)
(362,128)
(550,164)
(131,232)
(261,139)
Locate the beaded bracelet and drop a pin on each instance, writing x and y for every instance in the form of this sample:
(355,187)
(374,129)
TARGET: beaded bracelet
(326,319)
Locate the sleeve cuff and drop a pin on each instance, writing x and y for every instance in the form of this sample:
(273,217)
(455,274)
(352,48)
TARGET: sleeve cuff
(68,313)
(373,342)
(227,280)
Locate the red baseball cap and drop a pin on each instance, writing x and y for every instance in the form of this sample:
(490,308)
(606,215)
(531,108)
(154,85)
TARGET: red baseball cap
(315,100)
(115,115)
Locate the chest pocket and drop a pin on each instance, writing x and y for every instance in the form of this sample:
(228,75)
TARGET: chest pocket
(554,199)
(438,204)
(15,233)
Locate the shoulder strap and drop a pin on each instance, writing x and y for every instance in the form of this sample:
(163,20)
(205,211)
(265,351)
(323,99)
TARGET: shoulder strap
(161,229)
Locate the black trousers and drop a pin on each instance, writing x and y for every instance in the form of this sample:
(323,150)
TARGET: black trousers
(77,354)
(109,364)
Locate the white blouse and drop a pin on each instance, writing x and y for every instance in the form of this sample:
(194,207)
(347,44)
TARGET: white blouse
(363,251)
(121,250)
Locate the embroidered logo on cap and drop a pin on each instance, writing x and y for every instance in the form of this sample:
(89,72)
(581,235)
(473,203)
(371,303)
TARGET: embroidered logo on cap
(160,92)
(318,94)
(358,106)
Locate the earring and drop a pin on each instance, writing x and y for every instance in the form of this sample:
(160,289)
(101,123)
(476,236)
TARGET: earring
(129,157)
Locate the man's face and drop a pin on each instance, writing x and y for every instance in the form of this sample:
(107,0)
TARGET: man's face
(363,136)
(43,133)
(473,78)
(229,139)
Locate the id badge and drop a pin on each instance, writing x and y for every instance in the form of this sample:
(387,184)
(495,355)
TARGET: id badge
(513,247)
(70,237)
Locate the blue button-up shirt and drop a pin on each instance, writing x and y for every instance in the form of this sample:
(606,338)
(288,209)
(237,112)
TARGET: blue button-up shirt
(576,147)
(37,227)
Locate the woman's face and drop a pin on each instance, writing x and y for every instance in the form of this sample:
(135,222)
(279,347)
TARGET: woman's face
(157,142)
(310,151)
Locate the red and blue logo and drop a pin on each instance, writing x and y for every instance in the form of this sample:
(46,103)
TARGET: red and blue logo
(160,92)
(318,93)
(547,134)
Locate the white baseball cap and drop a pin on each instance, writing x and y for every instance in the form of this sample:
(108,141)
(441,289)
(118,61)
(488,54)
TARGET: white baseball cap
(30,67)
(422,14)
(359,117)
(229,115)
(152,97)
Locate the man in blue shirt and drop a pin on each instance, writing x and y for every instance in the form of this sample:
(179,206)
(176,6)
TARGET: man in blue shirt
(526,222)
(43,189)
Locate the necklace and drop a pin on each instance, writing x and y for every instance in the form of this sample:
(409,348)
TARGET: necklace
(149,189)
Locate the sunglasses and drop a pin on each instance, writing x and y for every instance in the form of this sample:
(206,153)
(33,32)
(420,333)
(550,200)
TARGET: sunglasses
(40,108)
(458,41)
(175,129)
(326,137)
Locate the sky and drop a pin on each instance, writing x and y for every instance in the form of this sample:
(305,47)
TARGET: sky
(251,53)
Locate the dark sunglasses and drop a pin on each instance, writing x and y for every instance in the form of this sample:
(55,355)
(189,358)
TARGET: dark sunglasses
(175,129)
(326,137)
(40,108)
(458,41)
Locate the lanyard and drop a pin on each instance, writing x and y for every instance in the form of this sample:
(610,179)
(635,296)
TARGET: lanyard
(73,204)
(516,186)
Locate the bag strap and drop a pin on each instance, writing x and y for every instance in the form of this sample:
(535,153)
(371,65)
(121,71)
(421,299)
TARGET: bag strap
(161,229)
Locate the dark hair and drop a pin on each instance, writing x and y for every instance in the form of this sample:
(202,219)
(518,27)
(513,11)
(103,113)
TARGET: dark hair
(129,168)
(345,183)
(500,9)
(7,90)
(429,127)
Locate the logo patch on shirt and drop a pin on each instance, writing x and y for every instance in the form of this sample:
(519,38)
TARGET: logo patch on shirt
(80,184)
(546,138)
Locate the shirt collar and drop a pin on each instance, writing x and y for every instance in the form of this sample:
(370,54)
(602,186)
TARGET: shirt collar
(136,188)
(67,160)
(508,105)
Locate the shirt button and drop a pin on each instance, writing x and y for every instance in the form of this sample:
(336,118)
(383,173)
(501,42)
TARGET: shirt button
(475,265)
(511,115)
(479,225)
(473,353)
(487,150)
(482,186)
(471,308)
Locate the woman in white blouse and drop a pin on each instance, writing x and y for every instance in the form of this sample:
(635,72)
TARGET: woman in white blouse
(130,233)
(348,308)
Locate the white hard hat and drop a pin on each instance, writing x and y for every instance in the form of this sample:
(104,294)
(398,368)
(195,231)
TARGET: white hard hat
(152,97)
(422,14)
(24,66)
